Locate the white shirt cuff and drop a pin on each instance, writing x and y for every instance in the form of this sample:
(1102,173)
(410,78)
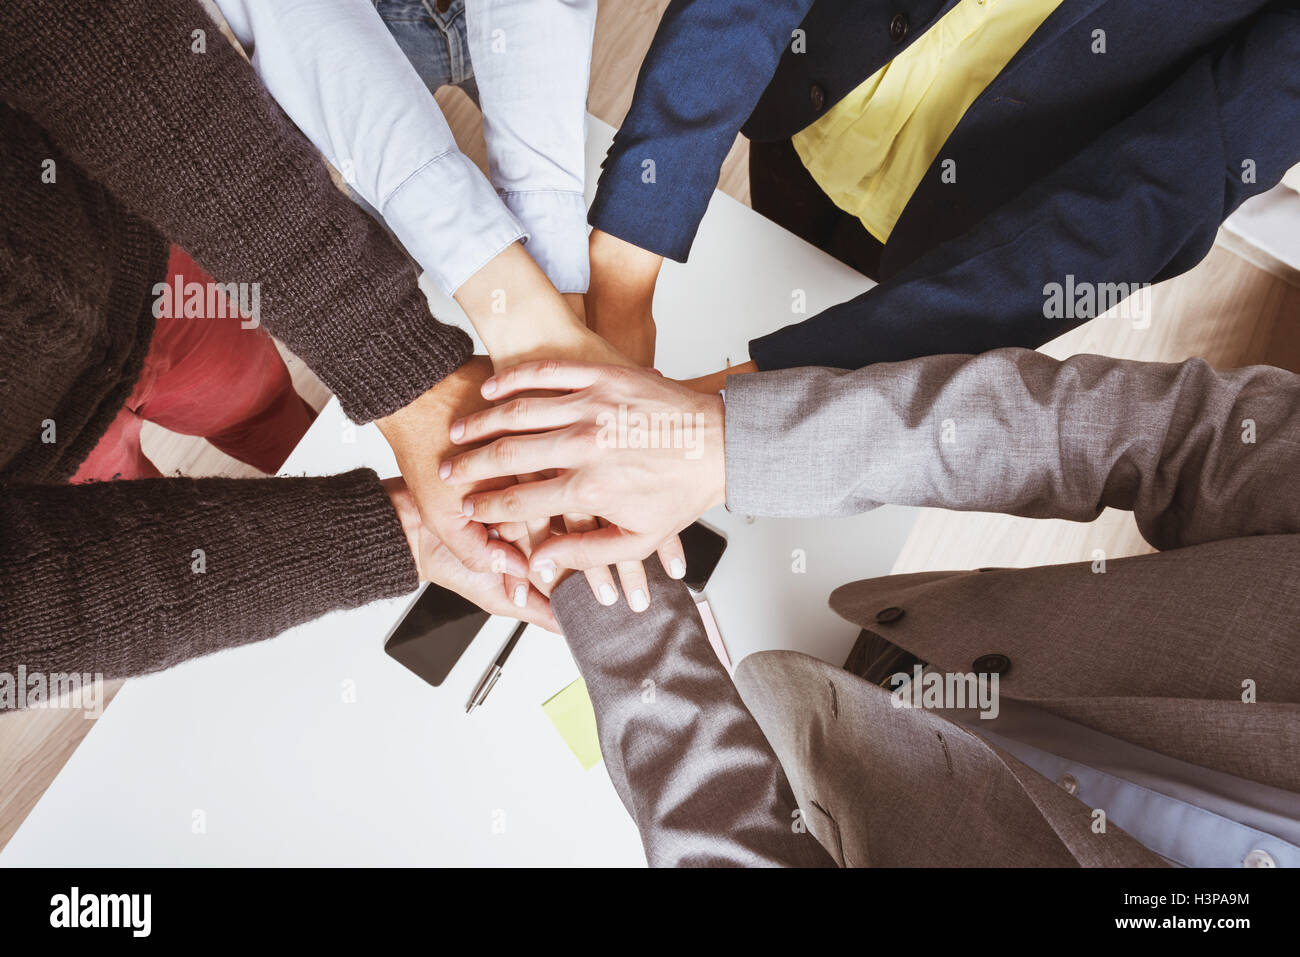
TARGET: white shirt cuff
(556,221)
(450,219)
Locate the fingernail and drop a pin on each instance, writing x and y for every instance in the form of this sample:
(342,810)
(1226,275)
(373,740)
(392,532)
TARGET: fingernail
(490,387)
(467,508)
(607,594)
(638,601)
(676,569)
(546,569)
(457,430)
(444,471)
(521,595)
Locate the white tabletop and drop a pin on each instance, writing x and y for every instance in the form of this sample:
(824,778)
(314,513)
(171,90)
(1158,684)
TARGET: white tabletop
(316,748)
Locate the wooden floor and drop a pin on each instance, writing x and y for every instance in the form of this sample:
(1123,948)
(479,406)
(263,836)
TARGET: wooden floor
(1226,310)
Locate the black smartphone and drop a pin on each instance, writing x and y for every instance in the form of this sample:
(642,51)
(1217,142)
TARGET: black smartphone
(435,633)
(704,548)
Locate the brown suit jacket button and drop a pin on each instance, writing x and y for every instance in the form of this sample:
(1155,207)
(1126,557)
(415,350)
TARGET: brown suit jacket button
(898,28)
(817,96)
(991,665)
(887,615)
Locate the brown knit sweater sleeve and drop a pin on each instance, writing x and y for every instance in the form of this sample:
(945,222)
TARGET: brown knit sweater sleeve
(192,142)
(124,578)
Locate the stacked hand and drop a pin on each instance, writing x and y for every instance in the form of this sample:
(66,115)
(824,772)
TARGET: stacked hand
(417,434)
(520,319)
(435,562)
(643,452)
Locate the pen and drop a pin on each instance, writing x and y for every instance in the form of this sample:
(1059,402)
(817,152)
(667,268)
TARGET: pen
(489,679)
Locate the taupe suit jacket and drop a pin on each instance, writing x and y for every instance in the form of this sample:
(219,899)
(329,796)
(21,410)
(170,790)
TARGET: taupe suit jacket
(1155,651)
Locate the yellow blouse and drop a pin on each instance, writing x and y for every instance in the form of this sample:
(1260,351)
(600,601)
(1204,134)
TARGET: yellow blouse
(869,152)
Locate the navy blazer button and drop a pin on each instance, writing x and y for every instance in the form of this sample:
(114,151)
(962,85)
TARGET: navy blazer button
(817,96)
(991,665)
(898,28)
(886,615)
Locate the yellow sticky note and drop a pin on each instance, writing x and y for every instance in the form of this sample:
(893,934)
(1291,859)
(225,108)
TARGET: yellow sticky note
(570,711)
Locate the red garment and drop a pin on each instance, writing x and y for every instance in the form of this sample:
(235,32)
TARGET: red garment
(209,377)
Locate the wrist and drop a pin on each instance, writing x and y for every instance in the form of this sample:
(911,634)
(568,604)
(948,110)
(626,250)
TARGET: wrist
(549,340)
(408,516)
(621,267)
(717,474)
(427,420)
(514,308)
(716,381)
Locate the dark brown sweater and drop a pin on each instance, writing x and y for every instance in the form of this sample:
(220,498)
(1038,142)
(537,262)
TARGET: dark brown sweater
(194,145)
(152,142)
(124,578)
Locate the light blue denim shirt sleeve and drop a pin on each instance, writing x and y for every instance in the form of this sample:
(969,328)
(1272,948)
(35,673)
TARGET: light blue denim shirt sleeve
(335,69)
(532,60)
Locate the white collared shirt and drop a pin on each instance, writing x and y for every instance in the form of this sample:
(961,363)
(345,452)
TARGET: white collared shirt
(338,73)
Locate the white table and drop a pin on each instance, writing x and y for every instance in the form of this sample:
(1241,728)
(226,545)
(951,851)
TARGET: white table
(260,747)
(1270,222)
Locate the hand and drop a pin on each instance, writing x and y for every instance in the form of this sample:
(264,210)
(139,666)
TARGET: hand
(621,295)
(418,436)
(520,317)
(643,452)
(717,381)
(586,346)
(435,563)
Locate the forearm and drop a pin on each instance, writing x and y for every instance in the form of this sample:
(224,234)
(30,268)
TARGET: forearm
(688,760)
(1017,432)
(418,433)
(185,135)
(517,312)
(125,578)
(620,300)
(715,382)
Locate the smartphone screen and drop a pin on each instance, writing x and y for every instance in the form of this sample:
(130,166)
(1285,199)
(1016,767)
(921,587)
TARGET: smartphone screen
(704,548)
(435,633)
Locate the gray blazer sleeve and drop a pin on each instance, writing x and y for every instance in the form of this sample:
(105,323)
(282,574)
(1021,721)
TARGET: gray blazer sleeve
(1196,454)
(686,757)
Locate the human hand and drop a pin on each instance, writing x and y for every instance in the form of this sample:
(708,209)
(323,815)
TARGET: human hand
(643,452)
(621,295)
(716,381)
(418,436)
(585,346)
(521,318)
(436,563)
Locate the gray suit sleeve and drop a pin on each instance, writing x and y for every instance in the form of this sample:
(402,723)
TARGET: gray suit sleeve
(1197,455)
(686,757)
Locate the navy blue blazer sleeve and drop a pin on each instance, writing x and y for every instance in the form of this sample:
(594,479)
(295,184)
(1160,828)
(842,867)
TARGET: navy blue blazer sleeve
(707,67)
(1141,204)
